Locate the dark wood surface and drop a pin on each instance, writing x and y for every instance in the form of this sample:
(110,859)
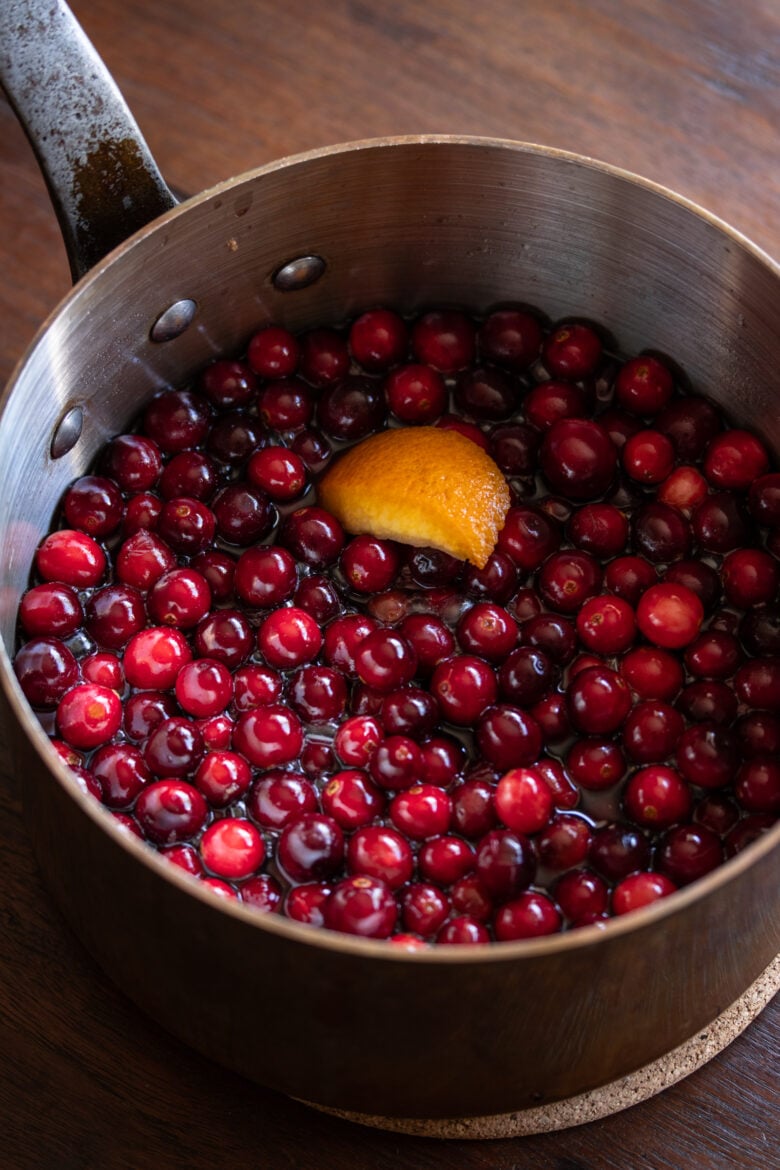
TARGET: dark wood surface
(686,93)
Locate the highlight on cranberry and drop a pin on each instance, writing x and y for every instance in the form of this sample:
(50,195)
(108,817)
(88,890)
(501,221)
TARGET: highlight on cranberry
(376,737)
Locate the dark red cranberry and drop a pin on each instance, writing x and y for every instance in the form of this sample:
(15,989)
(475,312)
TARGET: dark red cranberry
(532,915)
(734,459)
(644,385)
(324,358)
(463,931)
(51,610)
(554,635)
(430,639)
(690,423)
(505,863)
(313,448)
(416,394)
(759,733)
(243,514)
(708,700)
(619,425)
(572,350)
(222,777)
(485,393)
(717,812)
(361,905)
(568,578)
(464,686)
(748,830)
(396,762)
(46,670)
(351,410)
(596,763)
(313,536)
(133,462)
(581,892)
(176,420)
(757,683)
(273,352)
(661,533)
(551,715)
(278,472)
(225,635)
(578,458)
(318,694)
(174,748)
(265,576)
(564,842)
(144,711)
(511,338)
(445,340)
(432,568)
(688,852)
(759,631)
(714,654)
(508,737)
(141,511)
(190,474)
(269,735)
(526,676)
(262,893)
(528,537)
(234,436)
(651,732)
(468,896)
(378,339)
(598,700)
(764,500)
(652,673)
(657,796)
(311,848)
(549,401)
(750,577)
(318,596)
(93,504)
(719,524)
(286,404)
(473,810)
(409,711)
(343,638)
(628,577)
(757,786)
(170,811)
(618,850)
(277,798)
(513,447)
(228,383)
(186,525)
(600,529)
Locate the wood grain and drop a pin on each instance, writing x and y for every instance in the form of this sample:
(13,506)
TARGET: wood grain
(685,93)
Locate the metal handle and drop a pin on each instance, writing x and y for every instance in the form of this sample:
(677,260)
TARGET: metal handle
(101,176)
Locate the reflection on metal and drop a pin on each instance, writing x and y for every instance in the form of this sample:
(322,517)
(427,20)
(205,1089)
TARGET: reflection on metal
(172,323)
(299,273)
(67,432)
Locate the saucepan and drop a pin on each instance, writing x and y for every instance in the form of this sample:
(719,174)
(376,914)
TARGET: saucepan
(162,289)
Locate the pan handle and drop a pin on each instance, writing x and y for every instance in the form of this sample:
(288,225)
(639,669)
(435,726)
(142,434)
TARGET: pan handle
(101,176)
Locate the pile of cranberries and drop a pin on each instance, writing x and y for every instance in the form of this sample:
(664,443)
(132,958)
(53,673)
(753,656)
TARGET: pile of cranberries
(380,739)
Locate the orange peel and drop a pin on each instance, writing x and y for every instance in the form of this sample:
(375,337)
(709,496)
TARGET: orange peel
(423,486)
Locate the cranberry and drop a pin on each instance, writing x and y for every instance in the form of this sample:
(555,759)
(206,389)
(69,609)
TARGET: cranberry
(384,660)
(51,610)
(277,798)
(445,340)
(269,735)
(144,711)
(760,631)
(746,831)
(273,352)
(643,385)
(657,796)
(764,499)
(421,811)
(759,733)
(473,810)
(351,410)
(305,903)
(286,404)
(757,787)
(233,437)
(351,799)
(311,847)
(183,856)
(488,631)
(568,578)
(343,638)
(262,893)
(104,669)
(578,458)
(719,523)
(370,565)
(313,448)
(690,423)
(141,511)
(217,732)
(170,811)
(572,350)
(278,472)
(652,673)
(564,842)
(318,597)
(424,908)
(142,560)
(513,447)
(462,931)
(554,635)
(508,737)
(618,850)
(734,459)
(219,888)
(628,577)
(549,401)
(174,748)
(122,773)
(313,536)
(361,905)
(114,614)
(606,625)
(430,639)
(531,915)
(416,394)
(190,474)
(600,529)
(505,863)
(523,800)
(713,654)
(232,848)
(551,715)
(750,577)
(485,393)
(640,889)
(265,577)
(204,688)
(669,615)
(382,853)
(409,711)
(716,812)
(661,533)
(243,514)
(757,683)
(651,732)
(222,777)
(445,860)
(324,358)
(464,687)
(176,420)
(88,715)
(94,505)
(511,338)
(598,700)
(528,537)
(442,759)
(70,558)
(225,635)
(596,763)
(684,489)
(648,457)
(706,700)
(255,686)
(289,637)
(396,762)
(133,462)
(181,597)
(689,852)
(228,383)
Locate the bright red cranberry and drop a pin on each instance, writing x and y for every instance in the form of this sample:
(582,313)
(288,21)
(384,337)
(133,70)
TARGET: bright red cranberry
(122,773)
(104,669)
(380,852)
(531,915)
(505,863)
(142,560)
(351,799)
(217,732)
(277,798)
(508,737)
(370,565)
(305,903)
(133,462)
(734,459)
(181,597)
(523,800)
(356,740)
(262,893)
(578,458)
(70,558)
(424,908)
(190,474)
(226,635)
(596,763)
(564,842)
(88,715)
(464,686)
(618,850)
(581,892)
(640,889)
(51,610)
(176,420)
(445,340)
(289,637)
(421,811)
(313,536)
(273,352)
(170,811)
(185,857)
(670,615)
(361,905)
(174,748)
(93,504)
(643,385)
(243,514)
(232,848)
(572,350)
(598,700)
(278,472)
(311,847)
(652,673)
(511,338)
(378,339)
(204,687)
(463,931)
(648,457)
(416,394)
(628,577)
(688,852)
(684,489)
(568,578)
(606,625)
(657,797)
(445,860)
(228,383)
(265,577)
(222,777)
(269,735)
(343,638)
(651,732)
(384,660)
(396,762)
(719,523)
(757,787)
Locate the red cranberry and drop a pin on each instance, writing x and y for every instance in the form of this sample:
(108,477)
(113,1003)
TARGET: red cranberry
(719,524)
(464,686)
(643,385)
(324,358)
(265,577)
(114,614)
(311,848)
(750,577)
(746,831)
(255,686)
(343,638)
(757,787)
(370,565)
(568,578)
(445,340)
(688,852)
(219,888)
(531,915)
(581,892)
(170,811)
(361,905)
(416,394)
(564,842)
(181,597)
(51,610)
(228,383)
(657,796)
(141,511)
(445,860)
(142,560)
(669,615)
(508,737)
(759,733)
(628,577)
(88,715)
(305,903)
(549,401)
(640,889)
(174,748)
(684,488)
(618,850)
(511,338)
(318,694)
(222,777)
(600,529)
(204,688)
(760,631)
(176,420)
(488,631)
(505,863)
(661,533)
(352,799)
(183,856)
(268,736)
(122,773)
(384,660)
(46,670)
(104,669)
(523,800)
(764,500)
(421,811)
(598,700)
(225,635)
(273,352)
(409,711)
(578,458)
(144,711)
(378,339)
(648,457)
(313,536)
(243,514)
(734,459)
(556,636)
(551,715)
(651,732)
(351,410)
(94,505)
(396,762)
(462,931)
(757,684)
(596,763)
(528,537)
(473,809)
(262,893)
(424,908)
(713,654)
(430,639)
(708,700)
(190,474)
(133,462)
(277,798)
(606,625)
(572,350)
(380,852)
(652,673)
(232,848)
(442,759)
(286,404)
(690,423)
(70,558)
(278,472)
(289,637)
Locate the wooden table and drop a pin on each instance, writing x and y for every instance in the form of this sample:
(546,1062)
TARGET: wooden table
(684,92)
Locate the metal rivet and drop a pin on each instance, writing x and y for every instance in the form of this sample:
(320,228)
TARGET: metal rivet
(67,432)
(172,323)
(298,273)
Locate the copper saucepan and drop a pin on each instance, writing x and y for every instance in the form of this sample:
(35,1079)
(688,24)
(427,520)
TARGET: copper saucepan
(409,221)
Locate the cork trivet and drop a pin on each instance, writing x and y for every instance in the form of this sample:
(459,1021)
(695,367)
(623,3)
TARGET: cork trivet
(598,1103)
